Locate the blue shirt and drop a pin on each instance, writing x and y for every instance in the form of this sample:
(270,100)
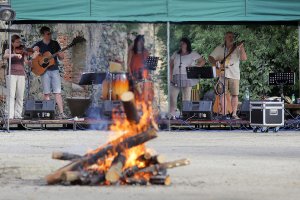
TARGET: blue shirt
(52,47)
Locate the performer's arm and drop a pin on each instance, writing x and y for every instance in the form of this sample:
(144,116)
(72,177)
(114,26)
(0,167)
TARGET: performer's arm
(201,62)
(171,69)
(212,60)
(243,55)
(60,55)
(6,54)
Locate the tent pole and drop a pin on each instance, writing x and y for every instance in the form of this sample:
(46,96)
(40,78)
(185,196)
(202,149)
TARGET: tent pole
(8,80)
(168,71)
(299,55)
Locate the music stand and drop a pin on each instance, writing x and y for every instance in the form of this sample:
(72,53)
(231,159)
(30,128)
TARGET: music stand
(285,78)
(281,79)
(200,72)
(151,62)
(92,78)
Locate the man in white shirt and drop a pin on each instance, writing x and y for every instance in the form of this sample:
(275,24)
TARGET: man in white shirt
(232,68)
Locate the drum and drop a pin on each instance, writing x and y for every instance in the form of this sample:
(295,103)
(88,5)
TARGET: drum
(118,83)
(144,90)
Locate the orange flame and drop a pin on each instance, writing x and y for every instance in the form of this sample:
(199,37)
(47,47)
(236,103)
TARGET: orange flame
(122,129)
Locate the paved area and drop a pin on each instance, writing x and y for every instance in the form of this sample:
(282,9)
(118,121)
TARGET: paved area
(224,165)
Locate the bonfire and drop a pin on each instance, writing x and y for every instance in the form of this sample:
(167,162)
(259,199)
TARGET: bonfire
(124,159)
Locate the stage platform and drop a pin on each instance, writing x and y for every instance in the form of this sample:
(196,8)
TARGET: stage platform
(96,124)
(104,124)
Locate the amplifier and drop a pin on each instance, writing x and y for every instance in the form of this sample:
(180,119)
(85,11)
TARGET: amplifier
(197,109)
(110,106)
(266,113)
(35,109)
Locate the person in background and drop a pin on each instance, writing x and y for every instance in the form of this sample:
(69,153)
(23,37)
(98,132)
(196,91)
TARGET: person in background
(51,79)
(179,61)
(232,65)
(16,80)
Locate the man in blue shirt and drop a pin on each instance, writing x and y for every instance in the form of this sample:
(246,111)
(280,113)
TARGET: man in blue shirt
(51,80)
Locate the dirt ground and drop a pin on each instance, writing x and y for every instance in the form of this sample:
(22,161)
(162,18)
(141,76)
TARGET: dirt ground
(224,165)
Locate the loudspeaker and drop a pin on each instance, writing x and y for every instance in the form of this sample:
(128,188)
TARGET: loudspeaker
(197,109)
(78,106)
(244,112)
(35,109)
(112,106)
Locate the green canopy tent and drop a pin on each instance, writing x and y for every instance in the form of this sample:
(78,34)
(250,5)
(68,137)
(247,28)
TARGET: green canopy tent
(158,10)
(229,11)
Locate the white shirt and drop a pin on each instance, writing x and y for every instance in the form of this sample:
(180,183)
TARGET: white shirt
(186,61)
(232,63)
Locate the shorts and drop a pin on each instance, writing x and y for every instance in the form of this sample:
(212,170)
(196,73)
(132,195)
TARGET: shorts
(51,82)
(233,86)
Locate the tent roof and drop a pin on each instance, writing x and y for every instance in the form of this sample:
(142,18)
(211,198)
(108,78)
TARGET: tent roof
(157,10)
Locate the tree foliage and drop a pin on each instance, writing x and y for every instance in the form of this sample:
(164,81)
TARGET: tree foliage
(270,48)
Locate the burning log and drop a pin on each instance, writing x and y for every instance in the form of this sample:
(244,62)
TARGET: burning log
(129,172)
(110,148)
(136,181)
(64,156)
(129,107)
(83,177)
(156,169)
(115,171)
(71,176)
(160,180)
(157,159)
(148,159)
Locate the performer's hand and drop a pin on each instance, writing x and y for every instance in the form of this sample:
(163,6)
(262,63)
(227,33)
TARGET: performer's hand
(36,48)
(18,56)
(241,47)
(35,54)
(61,55)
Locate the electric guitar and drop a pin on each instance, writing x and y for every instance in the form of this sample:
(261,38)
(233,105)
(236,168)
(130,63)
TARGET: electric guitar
(43,61)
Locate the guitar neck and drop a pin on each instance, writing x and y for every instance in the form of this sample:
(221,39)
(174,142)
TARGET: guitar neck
(63,49)
(232,50)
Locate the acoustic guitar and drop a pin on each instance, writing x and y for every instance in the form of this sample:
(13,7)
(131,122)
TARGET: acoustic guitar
(42,62)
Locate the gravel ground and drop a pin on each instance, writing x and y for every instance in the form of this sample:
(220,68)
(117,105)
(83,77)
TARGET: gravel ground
(224,165)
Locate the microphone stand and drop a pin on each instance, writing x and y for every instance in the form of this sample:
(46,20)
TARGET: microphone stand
(180,115)
(224,83)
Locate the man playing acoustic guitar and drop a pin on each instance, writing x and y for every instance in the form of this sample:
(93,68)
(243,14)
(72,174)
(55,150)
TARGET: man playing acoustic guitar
(234,53)
(51,80)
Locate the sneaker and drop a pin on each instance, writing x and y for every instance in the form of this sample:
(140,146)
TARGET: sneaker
(62,116)
(235,117)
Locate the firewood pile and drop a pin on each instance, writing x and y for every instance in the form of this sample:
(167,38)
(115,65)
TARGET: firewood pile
(124,160)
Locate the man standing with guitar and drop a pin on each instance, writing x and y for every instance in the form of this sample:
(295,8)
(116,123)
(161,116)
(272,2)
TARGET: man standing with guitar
(51,80)
(233,54)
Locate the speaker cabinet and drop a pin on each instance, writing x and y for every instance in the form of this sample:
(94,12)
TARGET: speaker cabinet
(197,110)
(35,109)
(112,106)
(78,106)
